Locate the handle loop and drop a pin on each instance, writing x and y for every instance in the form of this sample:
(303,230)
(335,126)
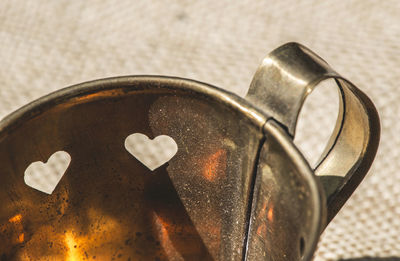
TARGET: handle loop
(280,87)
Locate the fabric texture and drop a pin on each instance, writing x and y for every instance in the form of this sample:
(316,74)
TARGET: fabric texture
(46,45)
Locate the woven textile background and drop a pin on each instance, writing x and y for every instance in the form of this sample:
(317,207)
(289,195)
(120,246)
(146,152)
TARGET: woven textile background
(46,45)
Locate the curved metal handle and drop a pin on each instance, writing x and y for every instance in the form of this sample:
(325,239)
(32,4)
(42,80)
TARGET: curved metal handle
(280,87)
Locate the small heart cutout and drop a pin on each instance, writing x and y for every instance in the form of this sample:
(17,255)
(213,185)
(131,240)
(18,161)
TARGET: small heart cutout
(152,153)
(45,176)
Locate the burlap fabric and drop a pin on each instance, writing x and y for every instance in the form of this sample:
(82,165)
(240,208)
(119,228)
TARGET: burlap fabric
(46,45)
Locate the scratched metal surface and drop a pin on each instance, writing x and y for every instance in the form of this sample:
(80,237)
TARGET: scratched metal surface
(45,46)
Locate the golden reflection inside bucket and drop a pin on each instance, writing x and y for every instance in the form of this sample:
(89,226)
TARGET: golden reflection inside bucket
(164,229)
(266,213)
(15,219)
(214,165)
(270,214)
(17,223)
(103,233)
(71,243)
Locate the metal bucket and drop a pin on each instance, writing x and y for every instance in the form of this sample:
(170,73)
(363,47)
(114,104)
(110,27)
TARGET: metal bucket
(236,189)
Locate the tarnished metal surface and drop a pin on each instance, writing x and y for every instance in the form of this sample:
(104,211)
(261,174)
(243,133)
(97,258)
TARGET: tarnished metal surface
(108,204)
(237,189)
(280,86)
(288,206)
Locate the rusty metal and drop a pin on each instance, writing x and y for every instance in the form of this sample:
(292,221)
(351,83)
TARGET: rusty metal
(237,189)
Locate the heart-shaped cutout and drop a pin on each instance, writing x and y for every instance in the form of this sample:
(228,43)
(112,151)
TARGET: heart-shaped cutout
(152,153)
(45,176)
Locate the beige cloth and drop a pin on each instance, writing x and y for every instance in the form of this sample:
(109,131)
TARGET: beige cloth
(45,45)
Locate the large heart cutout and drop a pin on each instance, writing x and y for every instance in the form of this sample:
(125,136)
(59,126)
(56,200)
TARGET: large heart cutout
(152,153)
(45,176)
